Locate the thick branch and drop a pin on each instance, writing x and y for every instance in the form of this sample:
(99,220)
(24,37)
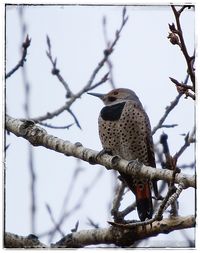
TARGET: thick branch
(111,235)
(16,241)
(37,136)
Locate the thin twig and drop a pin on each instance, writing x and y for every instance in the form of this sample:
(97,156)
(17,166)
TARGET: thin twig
(55,71)
(55,127)
(103,80)
(127,210)
(109,63)
(185,166)
(170,164)
(57,227)
(169,108)
(92,223)
(167,111)
(77,206)
(188,140)
(75,227)
(107,53)
(183,8)
(117,200)
(183,89)
(75,118)
(26,83)
(182,85)
(157,217)
(21,62)
(71,186)
(182,44)
(169,126)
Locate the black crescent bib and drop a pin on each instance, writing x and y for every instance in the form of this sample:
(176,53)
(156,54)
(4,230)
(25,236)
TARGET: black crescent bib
(112,112)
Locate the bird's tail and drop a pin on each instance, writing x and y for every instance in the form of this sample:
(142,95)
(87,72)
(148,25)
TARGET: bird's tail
(143,200)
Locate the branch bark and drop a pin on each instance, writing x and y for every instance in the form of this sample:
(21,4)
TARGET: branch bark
(112,235)
(38,136)
(16,241)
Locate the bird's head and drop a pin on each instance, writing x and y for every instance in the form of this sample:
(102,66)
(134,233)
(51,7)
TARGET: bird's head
(117,96)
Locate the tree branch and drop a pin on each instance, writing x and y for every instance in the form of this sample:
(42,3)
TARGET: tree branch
(112,235)
(55,71)
(38,136)
(88,86)
(16,241)
(168,109)
(25,46)
(182,44)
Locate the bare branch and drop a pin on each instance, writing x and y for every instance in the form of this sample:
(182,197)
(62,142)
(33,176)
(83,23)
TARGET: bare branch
(16,241)
(157,217)
(170,163)
(71,186)
(79,203)
(103,80)
(55,127)
(190,165)
(57,227)
(55,71)
(175,195)
(188,140)
(75,118)
(167,111)
(107,53)
(183,88)
(123,237)
(91,223)
(181,84)
(179,32)
(117,200)
(112,235)
(21,62)
(75,227)
(109,63)
(127,210)
(169,126)
(37,136)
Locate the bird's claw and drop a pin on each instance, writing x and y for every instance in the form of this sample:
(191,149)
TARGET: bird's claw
(104,151)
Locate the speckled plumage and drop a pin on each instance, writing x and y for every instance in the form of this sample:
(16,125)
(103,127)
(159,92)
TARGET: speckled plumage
(125,130)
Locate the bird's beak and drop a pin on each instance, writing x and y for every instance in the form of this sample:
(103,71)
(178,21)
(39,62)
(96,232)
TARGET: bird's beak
(101,96)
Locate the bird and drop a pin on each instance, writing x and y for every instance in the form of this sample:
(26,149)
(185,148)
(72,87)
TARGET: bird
(125,130)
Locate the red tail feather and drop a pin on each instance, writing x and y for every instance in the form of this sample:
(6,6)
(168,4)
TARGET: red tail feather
(144,201)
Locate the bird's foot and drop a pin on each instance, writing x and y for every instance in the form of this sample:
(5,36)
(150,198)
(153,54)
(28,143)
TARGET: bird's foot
(93,160)
(105,151)
(135,163)
(158,197)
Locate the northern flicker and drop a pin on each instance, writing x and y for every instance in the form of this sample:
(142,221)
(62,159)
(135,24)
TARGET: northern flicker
(125,130)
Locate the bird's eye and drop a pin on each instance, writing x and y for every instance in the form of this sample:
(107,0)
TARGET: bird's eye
(115,93)
(111,99)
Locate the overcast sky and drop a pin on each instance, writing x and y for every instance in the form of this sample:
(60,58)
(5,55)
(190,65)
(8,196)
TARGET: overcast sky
(143,60)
